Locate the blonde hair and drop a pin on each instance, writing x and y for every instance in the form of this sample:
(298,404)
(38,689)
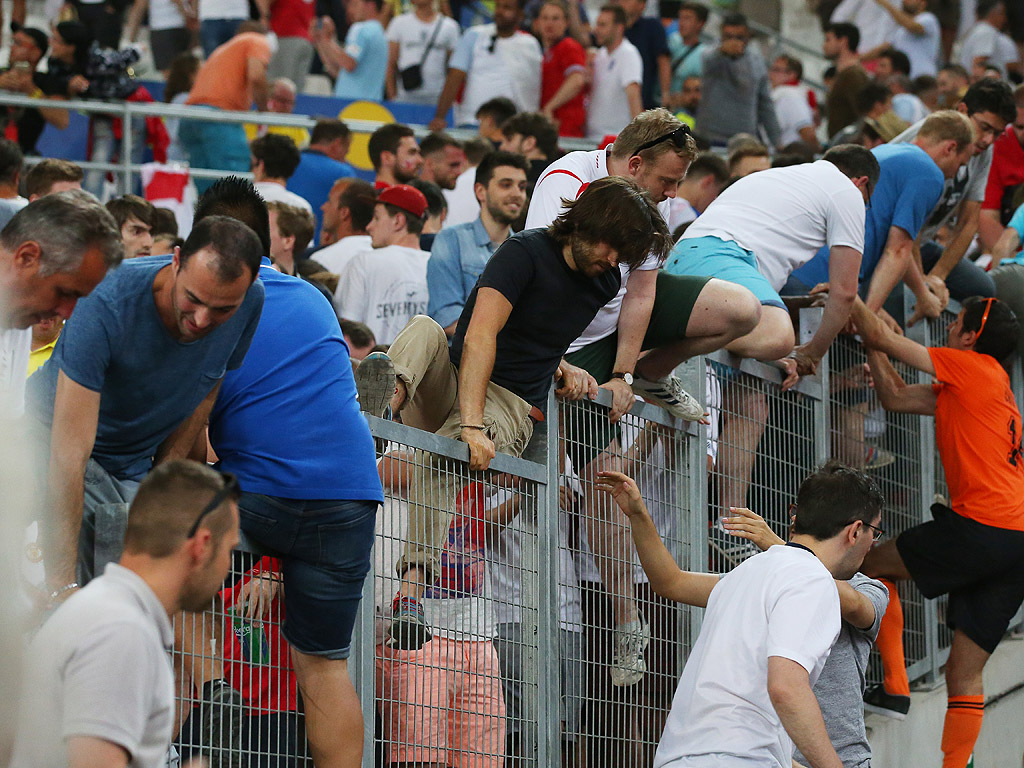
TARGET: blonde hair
(648,126)
(946,125)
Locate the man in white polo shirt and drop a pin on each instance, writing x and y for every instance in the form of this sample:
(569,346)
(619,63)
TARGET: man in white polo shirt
(615,95)
(98,686)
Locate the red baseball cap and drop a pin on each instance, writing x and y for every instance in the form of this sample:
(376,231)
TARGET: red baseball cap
(409,199)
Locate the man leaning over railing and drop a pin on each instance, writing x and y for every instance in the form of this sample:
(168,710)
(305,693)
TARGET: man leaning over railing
(536,294)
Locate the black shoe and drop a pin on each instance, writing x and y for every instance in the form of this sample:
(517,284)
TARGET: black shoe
(881,702)
(221,710)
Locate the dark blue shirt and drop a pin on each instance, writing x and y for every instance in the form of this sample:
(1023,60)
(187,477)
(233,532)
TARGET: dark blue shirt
(313,180)
(649,37)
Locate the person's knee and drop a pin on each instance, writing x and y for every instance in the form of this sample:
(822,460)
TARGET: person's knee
(778,336)
(738,307)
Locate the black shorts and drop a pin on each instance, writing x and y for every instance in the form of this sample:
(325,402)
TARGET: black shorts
(981,568)
(168,43)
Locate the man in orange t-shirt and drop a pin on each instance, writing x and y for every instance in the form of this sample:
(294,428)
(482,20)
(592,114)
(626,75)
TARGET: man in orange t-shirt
(232,78)
(973,550)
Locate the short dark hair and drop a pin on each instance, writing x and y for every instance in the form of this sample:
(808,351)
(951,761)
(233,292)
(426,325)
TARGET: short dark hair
(236,245)
(360,333)
(898,59)
(734,20)
(498,109)
(43,175)
(615,211)
(279,155)
(359,197)
(618,15)
(709,164)
(956,69)
(476,148)
(923,84)
(793,64)
(436,202)
(854,161)
(536,125)
(843,30)
(164,222)
(238,199)
(988,95)
(11,160)
(436,142)
(296,222)
(386,139)
(328,130)
(1001,333)
(871,94)
(699,9)
(748,149)
(494,160)
(131,207)
(413,224)
(832,498)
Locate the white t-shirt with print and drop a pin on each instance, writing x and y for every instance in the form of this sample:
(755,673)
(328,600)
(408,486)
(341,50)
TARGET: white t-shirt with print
(566,178)
(785,215)
(384,288)
(783,603)
(793,111)
(412,36)
(608,108)
(497,66)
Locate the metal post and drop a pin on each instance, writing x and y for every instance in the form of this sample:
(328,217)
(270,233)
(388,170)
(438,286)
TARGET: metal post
(810,319)
(126,148)
(695,527)
(361,662)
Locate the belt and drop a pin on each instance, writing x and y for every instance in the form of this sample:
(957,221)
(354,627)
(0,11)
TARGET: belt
(536,414)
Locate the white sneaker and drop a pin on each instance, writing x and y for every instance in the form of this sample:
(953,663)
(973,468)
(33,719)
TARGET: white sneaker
(630,641)
(670,395)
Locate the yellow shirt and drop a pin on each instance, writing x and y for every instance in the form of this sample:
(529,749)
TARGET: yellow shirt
(299,135)
(39,356)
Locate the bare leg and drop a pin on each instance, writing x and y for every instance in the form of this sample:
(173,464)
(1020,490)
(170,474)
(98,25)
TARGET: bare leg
(963,670)
(772,339)
(334,719)
(884,560)
(849,439)
(743,423)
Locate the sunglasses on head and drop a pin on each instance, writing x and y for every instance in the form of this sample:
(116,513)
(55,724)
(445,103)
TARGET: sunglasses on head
(984,317)
(229,489)
(678,137)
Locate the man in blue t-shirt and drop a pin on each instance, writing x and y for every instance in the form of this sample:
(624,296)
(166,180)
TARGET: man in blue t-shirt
(911,182)
(359,68)
(132,380)
(310,499)
(322,163)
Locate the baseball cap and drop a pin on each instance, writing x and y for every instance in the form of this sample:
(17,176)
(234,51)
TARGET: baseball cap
(40,38)
(409,199)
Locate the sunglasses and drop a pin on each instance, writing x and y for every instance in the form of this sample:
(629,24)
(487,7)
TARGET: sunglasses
(678,137)
(230,488)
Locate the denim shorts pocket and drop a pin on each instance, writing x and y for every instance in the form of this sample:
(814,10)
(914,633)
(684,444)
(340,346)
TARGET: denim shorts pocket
(346,545)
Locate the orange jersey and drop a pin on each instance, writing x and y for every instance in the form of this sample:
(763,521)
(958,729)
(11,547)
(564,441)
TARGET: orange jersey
(978,431)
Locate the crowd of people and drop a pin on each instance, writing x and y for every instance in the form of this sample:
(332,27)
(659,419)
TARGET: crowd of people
(450,294)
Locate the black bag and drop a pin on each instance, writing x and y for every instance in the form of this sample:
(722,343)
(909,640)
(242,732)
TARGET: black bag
(412,77)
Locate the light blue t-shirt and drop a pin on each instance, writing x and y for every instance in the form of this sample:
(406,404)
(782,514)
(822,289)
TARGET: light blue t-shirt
(909,186)
(364,42)
(149,382)
(287,423)
(1016,223)
(686,67)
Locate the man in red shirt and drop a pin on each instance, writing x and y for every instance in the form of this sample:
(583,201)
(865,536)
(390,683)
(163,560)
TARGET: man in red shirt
(972,550)
(562,78)
(1003,192)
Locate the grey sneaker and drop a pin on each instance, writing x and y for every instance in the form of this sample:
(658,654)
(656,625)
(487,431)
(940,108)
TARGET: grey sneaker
(670,395)
(221,711)
(375,382)
(630,640)
(727,550)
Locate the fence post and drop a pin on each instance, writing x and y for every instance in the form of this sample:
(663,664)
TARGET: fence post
(361,663)
(126,147)
(810,319)
(693,374)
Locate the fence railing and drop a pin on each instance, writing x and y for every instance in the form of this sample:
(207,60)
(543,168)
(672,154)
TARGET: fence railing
(540,569)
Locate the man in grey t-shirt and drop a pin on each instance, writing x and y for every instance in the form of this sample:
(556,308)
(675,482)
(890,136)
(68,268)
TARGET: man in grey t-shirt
(990,106)
(98,687)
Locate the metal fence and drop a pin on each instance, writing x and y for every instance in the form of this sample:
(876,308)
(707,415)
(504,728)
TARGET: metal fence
(540,569)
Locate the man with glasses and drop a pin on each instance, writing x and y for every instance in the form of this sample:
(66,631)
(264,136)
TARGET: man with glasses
(973,548)
(98,686)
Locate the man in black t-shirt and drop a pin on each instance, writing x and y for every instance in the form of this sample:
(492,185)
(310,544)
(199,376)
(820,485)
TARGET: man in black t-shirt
(28,46)
(538,292)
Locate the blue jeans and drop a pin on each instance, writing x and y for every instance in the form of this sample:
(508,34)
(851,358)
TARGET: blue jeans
(217,146)
(966,279)
(104,520)
(105,149)
(213,33)
(324,547)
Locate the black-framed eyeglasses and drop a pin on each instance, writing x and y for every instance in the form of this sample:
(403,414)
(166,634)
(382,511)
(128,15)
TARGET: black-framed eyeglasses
(229,489)
(678,137)
(877,532)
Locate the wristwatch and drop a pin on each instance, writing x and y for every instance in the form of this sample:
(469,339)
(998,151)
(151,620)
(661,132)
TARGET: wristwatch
(626,377)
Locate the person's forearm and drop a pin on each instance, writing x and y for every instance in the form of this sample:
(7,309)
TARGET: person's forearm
(634,317)
(635,99)
(260,93)
(990,229)
(570,87)
(58,118)
(888,273)
(328,51)
(478,352)
(664,574)
(452,82)
(855,607)
(1006,246)
(833,318)
(66,498)
(914,278)
(180,443)
(801,717)
(902,18)
(665,77)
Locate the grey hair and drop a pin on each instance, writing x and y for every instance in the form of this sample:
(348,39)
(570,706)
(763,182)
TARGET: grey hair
(65,225)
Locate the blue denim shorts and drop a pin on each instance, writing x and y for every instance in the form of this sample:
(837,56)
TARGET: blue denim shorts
(324,547)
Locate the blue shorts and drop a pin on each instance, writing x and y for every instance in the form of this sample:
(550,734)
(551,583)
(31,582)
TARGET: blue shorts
(724,259)
(324,547)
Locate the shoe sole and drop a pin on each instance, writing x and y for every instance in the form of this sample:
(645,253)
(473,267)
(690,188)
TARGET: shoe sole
(679,411)
(408,635)
(890,713)
(375,383)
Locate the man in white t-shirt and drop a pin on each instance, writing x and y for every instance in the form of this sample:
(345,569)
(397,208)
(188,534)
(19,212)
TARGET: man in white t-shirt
(875,27)
(745,695)
(425,39)
(917,33)
(274,160)
(347,212)
(986,44)
(386,287)
(796,121)
(492,60)
(618,71)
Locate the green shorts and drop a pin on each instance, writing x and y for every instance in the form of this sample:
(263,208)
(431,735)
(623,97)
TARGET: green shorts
(588,432)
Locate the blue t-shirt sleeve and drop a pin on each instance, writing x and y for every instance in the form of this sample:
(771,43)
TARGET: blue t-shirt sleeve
(84,349)
(444,280)
(462,59)
(1017,222)
(254,306)
(917,199)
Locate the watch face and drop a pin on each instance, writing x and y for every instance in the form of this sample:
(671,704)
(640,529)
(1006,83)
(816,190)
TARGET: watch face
(628,378)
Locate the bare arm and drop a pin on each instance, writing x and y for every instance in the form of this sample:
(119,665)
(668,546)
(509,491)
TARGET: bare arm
(667,579)
(633,320)
(903,18)
(256,73)
(665,76)
(58,118)
(890,268)
(1006,247)
(452,82)
(877,335)
(479,347)
(391,81)
(809,137)
(894,393)
(990,228)
(843,274)
(92,752)
(76,413)
(789,688)
(636,102)
(263,7)
(570,87)
(966,228)
(134,20)
(854,607)
(180,444)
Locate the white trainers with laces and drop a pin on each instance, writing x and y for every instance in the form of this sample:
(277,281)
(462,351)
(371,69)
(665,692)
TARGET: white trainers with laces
(630,640)
(670,395)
